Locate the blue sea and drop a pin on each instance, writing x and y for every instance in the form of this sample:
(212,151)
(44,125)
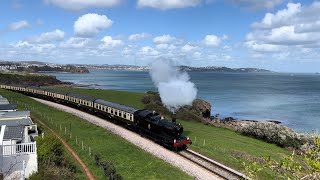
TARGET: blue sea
(293,99)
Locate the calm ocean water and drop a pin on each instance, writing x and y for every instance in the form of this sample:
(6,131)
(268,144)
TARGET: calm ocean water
(293,99)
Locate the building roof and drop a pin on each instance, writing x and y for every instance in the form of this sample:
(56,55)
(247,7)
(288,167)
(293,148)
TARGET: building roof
(14,115)
(116,106)
(4,100)
(17,122)
(4,107)
(14,132)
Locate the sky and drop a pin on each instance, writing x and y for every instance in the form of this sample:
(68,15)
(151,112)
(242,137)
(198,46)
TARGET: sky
(278,35)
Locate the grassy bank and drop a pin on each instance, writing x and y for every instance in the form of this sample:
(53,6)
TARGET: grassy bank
(130,161)
(223,145)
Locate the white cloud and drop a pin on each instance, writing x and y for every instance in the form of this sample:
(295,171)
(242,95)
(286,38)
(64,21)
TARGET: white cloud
(307,27)
(262,47)
(148,51)
(168,4)
(90,24)
(138,37)
(109,42)
(83,4)
(56,35)
(75,42)
(166,46)
(197,55)
(21,44)
(163,39)
(37,48)
(282,17)
(15,26)
(296,26)
(188,48)
(212,40)
(257,4)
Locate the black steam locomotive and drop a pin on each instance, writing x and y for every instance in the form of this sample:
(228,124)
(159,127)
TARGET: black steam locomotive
(145,122)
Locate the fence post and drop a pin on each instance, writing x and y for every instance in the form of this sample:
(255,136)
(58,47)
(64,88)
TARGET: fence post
(89,151)
(195,139)
(204,142)
(76,140)
(65,130)
(82,144)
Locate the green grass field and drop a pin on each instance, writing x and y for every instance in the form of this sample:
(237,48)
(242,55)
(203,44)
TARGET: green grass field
(130,161)
(223,145)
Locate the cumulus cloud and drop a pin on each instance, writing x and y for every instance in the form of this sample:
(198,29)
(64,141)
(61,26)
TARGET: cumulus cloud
(282,17)
(188,48)
(90,24)
(138,37)
(262,47)
(38,48)
(212,40)
(256,4)
(83,4)
(163,39)
(75,42)
(148,51)
(296,26)
(109,42)
(168,4)
(15,26)
(56,35)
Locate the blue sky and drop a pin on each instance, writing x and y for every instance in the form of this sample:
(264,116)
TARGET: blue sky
(279,35)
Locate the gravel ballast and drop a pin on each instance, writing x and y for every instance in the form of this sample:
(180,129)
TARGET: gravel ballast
(143,143)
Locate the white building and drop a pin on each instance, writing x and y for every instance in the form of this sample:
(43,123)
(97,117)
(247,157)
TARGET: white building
(18,150)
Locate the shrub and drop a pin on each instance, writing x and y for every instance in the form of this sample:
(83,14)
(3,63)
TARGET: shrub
(50,149)
(146,99)
(52,160)
(275,133)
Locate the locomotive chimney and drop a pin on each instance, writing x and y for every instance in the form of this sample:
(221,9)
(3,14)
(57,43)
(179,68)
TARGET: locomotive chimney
(174,118)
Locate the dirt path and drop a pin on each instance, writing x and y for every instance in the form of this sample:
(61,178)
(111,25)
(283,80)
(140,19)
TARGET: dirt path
(84,167)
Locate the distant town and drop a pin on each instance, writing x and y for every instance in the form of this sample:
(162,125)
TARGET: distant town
(37,66)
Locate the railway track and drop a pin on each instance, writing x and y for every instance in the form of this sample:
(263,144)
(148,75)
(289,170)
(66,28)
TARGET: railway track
(212,166)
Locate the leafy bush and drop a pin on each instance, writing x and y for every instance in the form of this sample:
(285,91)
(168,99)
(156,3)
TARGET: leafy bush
(108,168)
(275,133)
(49,171)
(52,160)
(291,166)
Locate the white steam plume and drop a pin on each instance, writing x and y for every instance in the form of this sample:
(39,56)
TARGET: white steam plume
(174,86)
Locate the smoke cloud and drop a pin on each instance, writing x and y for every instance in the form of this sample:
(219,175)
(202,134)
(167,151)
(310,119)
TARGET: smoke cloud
(174,87)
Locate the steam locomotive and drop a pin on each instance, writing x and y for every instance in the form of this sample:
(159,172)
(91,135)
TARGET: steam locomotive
(145,122)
